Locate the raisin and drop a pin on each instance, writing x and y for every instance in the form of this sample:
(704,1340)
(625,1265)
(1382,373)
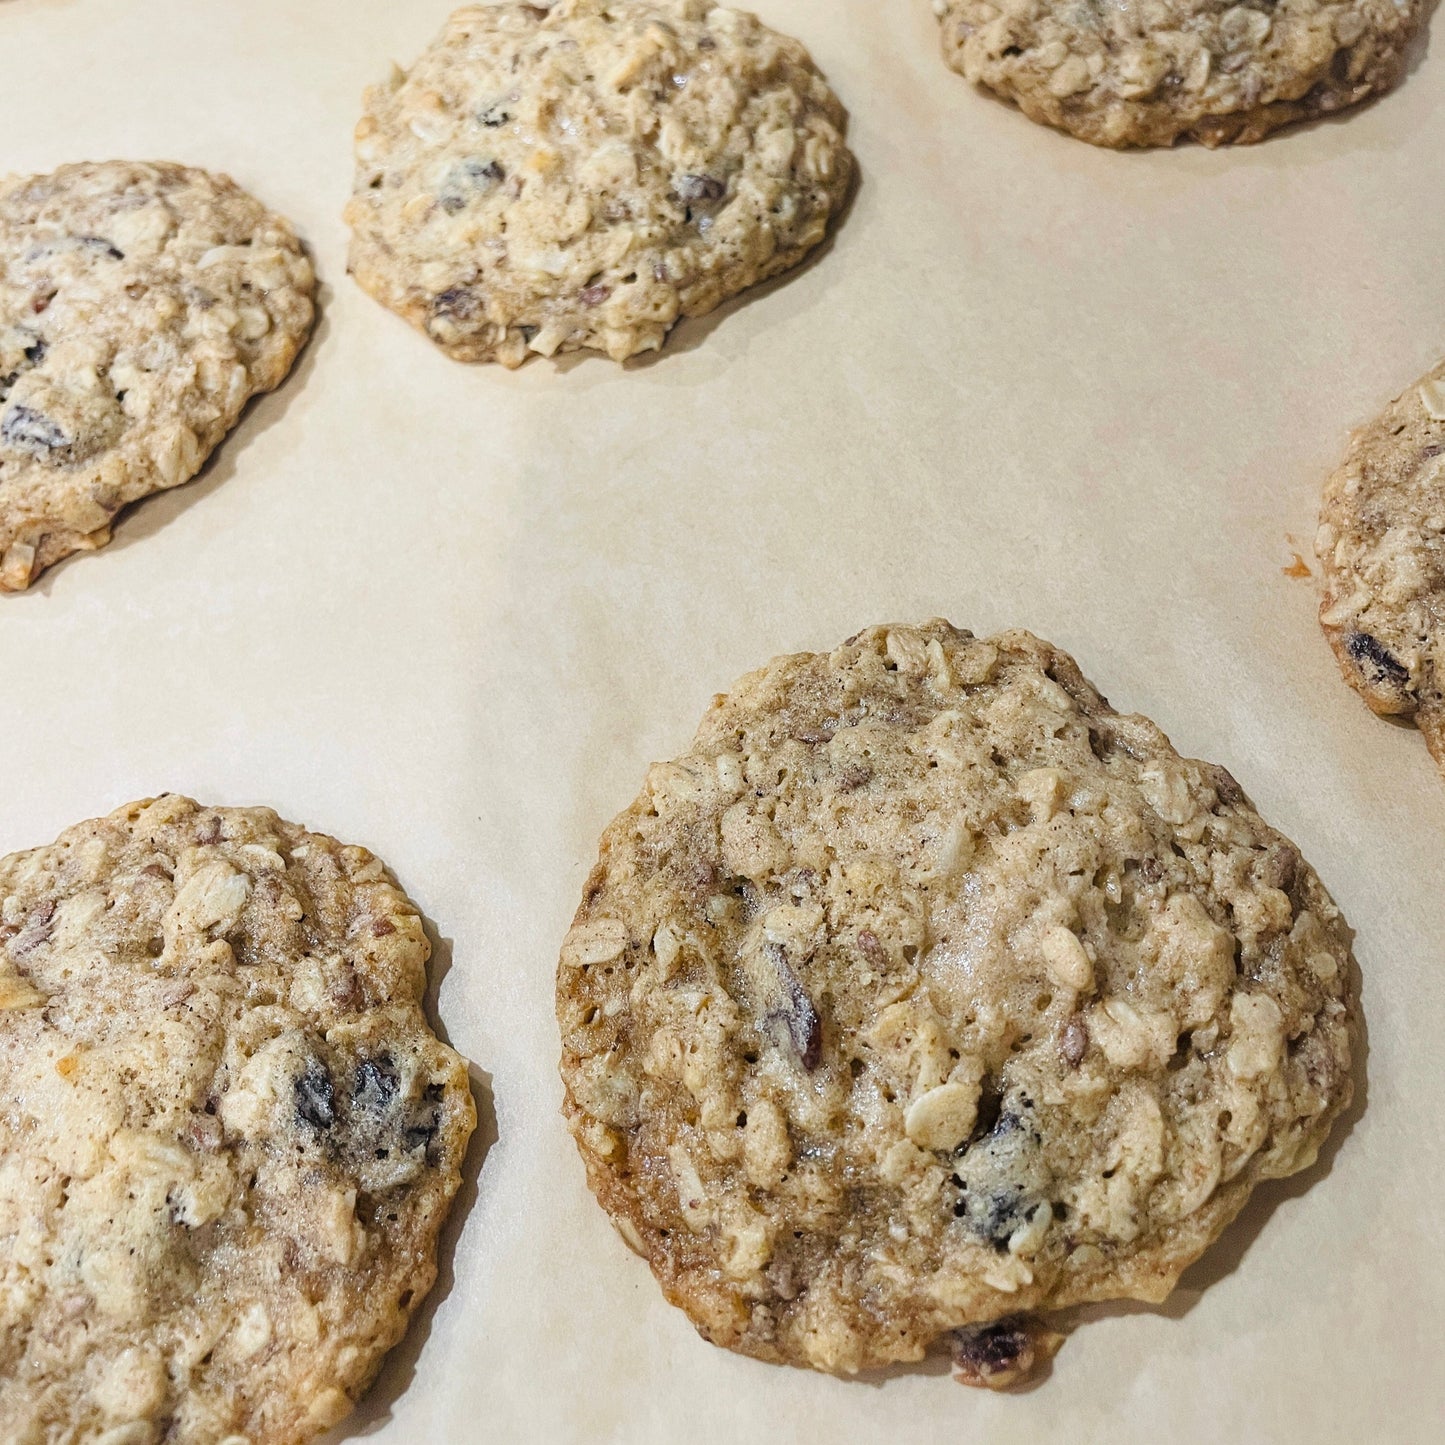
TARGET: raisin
(1280,866)
(594,295)
(995,1356)
(1000,1173)
(996,1215)
(871,949)
(1375,660)
(375,1085)
(797,1012)
(316,1096)
(455,301)
(103,247)
(1151,870)
(805,1027)
(815,736)
(1225,786)
(419,1136)
(39,923)
(28,430)
(62,244)
(465,181)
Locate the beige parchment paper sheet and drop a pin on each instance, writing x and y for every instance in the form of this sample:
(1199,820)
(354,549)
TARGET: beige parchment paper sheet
(453,613)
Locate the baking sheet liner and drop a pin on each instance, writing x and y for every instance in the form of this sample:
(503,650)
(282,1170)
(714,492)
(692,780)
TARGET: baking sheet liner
(453,613)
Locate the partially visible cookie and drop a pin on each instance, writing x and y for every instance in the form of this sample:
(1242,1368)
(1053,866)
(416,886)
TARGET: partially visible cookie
(544,180)
(1209,70)
(1381,546)
(925,991)
(228,1137)
(141,307)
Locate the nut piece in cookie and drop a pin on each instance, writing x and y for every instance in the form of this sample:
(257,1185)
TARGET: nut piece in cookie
(545,180)
(1206,70)
(230,1137)
(1381,545)
(141,307)
(925,993)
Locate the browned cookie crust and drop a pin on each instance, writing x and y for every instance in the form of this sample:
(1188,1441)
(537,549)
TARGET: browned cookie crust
(927,990)
(1381,546)
(545,180)
(1215,71)
(141,307)
(228,1137)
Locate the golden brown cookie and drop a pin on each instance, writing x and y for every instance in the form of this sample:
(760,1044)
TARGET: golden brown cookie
(1210,70)
(1381,546)
(925,992)
(544,180)
(141,307)
(229,1137)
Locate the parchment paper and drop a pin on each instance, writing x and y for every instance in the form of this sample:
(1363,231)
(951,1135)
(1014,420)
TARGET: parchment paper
(453,613)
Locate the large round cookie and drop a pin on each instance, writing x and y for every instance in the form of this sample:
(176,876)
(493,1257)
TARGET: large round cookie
(927,990)
(1381,546)
(1147,74)
(141,307)
(546,180)
(228,1137)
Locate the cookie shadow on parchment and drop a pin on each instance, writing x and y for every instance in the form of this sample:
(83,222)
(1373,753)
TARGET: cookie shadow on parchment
(1414,58)
(1228,1252)
(1218,1262)
(148,515)
(373,1410)
(692,333)
(1262,150)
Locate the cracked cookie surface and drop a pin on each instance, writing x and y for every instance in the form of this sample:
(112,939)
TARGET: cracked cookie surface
(228,1137)
(141,307)
(1381,545)
(1148,72)
(546,180)
(927,991)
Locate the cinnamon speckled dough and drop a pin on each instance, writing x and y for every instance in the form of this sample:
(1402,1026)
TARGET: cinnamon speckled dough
(141,307)
(1381,546)
(926,990)
(228,1137)
(1146,72)
(584,176)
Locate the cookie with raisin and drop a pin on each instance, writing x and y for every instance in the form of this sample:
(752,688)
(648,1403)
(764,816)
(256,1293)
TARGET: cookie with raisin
(585,175)
(925,994)
(1381,546)
(141,307)
(229,1137)
(1208,70)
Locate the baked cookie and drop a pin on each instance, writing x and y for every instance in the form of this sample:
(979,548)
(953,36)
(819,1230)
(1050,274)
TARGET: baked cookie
(1212,70)
(228,1137)
(141,307)
(544,180)
(926,991)
(1381,546)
